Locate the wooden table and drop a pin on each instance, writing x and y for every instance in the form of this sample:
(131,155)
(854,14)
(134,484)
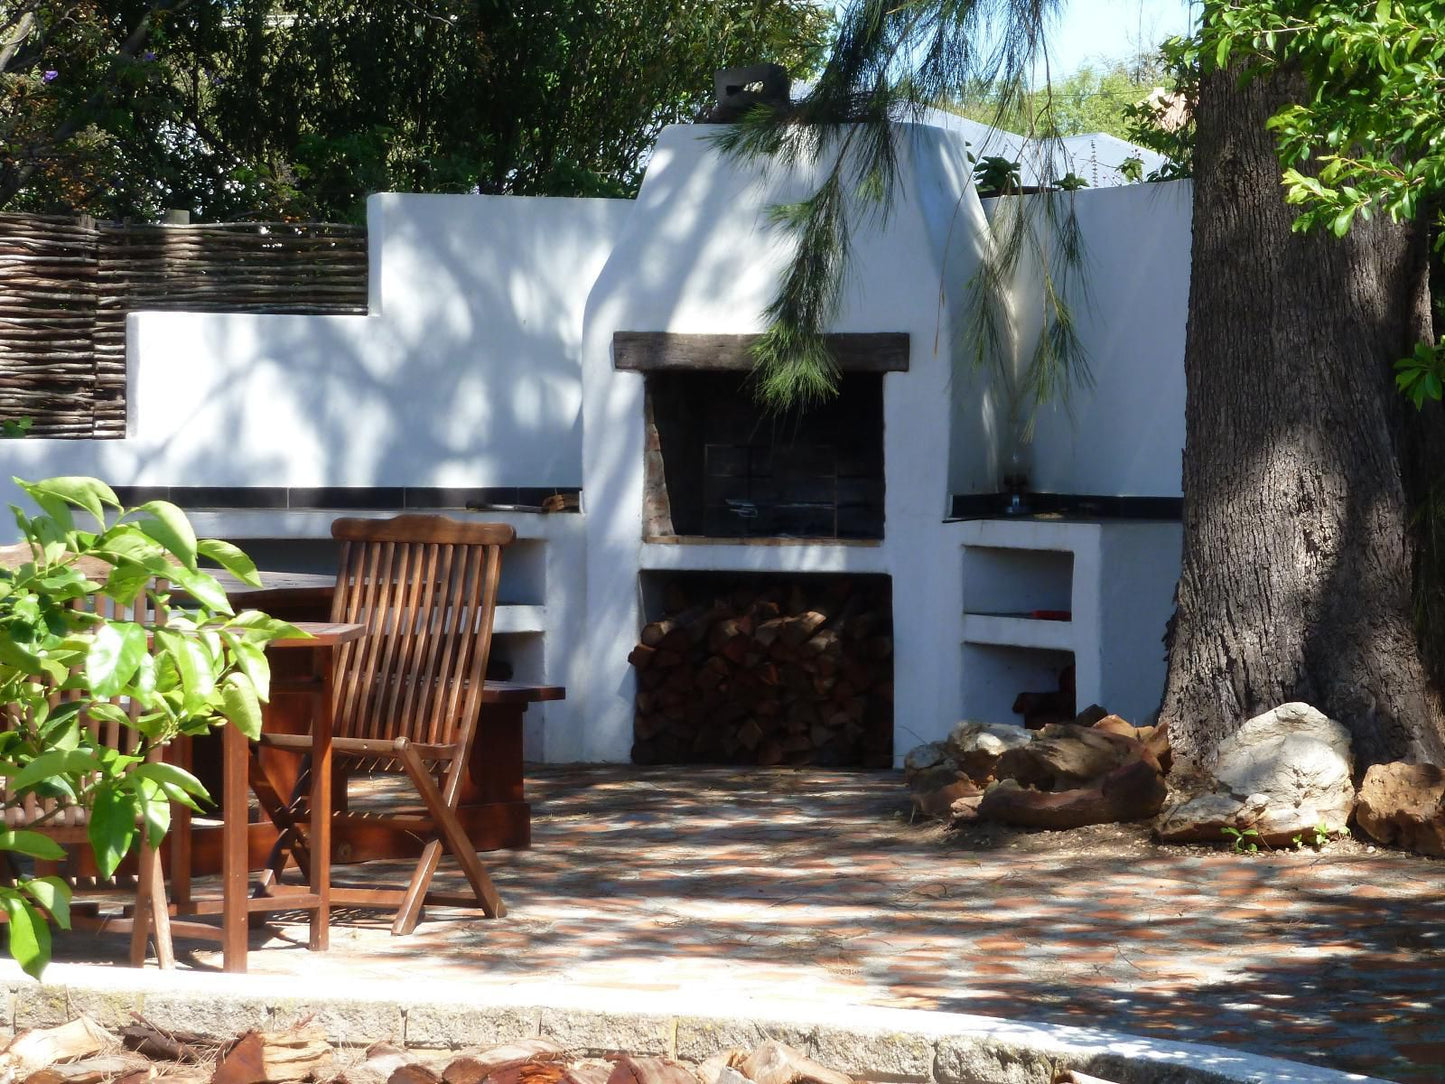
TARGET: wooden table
(493,807)
(236,904)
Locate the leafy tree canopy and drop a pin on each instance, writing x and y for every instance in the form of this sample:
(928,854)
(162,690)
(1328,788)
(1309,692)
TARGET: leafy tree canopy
(1096,98)
(299,108)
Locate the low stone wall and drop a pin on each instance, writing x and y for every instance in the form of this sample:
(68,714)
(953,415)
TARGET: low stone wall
(876,1044)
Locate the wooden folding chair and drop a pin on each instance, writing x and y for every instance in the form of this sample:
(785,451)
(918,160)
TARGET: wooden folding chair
(407,695)
(68,825)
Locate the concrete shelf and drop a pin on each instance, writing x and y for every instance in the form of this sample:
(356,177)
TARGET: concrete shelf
(520,619)
(1011,631)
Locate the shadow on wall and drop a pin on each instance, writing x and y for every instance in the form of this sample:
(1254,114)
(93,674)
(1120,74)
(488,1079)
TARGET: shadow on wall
(467,376)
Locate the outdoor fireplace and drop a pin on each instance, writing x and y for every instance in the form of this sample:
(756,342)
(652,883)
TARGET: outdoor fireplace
(717,465)
(765,669)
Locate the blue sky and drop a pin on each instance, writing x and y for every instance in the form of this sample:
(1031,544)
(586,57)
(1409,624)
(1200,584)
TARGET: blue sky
(1090,30)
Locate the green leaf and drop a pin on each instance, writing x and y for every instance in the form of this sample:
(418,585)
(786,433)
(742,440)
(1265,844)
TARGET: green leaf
(251,658)
(239,703)
(90,494)
(12,654)
(170,775)
(230,558)
(126,581)
(193,665)
(203,588)
(56,765)
(177,785)
(1382,11)
(155,812)
(114,654)
(112,827)
(53,894)
(29,934)
(1221,52)
(34,844)
(168,525)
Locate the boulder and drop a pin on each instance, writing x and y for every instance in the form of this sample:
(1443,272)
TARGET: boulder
(1131,791)
(1282,774)
(920,757)
(1064,756)
(1403,805)
(939,803)
(976,747)
(1292,754)
(965,810)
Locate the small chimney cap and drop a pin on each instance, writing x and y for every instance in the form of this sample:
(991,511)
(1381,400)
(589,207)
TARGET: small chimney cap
(739,89)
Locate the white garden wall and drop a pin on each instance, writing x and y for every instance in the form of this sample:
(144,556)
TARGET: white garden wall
(1125,434)
(486,361)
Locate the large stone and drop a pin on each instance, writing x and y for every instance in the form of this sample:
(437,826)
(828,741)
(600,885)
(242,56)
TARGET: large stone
(976,747)
(1403,805)
(1131,792)
(1282,774)
(922,757)
(1064,756)
(934,789)
(1293,753)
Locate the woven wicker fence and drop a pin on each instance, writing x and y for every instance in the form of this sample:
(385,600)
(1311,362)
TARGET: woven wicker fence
(66,285)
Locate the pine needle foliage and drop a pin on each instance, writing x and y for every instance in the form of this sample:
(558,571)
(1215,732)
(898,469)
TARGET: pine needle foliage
(890,61)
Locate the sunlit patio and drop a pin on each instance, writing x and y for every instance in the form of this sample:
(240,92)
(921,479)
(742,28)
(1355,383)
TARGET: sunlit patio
(812,888)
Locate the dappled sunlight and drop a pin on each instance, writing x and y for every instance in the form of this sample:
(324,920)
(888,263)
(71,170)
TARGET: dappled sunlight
(812,885)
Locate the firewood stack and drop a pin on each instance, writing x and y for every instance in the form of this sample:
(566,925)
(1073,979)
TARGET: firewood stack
(768,673)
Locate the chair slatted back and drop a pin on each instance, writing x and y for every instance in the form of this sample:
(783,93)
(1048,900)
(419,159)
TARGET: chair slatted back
(425,587)
(37,812)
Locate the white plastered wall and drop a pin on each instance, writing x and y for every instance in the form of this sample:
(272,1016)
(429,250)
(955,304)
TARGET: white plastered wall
(1124,435)
(464,373)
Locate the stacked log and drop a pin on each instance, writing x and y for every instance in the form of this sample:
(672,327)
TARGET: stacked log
(768,673)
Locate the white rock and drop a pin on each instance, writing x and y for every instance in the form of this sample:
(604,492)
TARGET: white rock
(1282,773)
(992,739)
(1294,757)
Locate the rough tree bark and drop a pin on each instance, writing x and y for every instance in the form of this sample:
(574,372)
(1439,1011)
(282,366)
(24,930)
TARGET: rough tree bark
(1298,556)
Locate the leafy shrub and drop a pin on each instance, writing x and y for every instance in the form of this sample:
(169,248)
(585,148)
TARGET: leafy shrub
(64,668)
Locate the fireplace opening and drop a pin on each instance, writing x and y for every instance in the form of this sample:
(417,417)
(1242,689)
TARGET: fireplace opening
(719,467)
(765,669)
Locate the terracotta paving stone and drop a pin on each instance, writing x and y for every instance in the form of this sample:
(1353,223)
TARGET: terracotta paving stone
(811,885)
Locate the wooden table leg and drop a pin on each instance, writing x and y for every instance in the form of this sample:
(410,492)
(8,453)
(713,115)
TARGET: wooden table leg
(320,841)
(234,836)
(494,770)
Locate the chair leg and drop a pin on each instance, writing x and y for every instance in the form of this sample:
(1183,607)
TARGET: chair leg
(152,915)
(290,842)
(445,820)
(408,914)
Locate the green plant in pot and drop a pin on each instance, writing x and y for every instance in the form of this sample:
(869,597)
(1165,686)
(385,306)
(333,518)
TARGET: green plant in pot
(65,668)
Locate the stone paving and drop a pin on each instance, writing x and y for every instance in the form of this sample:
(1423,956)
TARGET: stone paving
(811,885)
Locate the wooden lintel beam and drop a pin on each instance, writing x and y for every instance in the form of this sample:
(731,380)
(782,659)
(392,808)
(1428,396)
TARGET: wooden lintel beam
(648,351)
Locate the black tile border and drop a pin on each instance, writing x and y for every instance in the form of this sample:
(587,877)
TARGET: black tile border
(1069,505)
(342,498)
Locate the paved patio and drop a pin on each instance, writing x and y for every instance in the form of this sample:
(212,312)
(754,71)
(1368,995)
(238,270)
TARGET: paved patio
(811,886)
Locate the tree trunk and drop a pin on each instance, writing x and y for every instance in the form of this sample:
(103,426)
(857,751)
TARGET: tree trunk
(1298,555)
